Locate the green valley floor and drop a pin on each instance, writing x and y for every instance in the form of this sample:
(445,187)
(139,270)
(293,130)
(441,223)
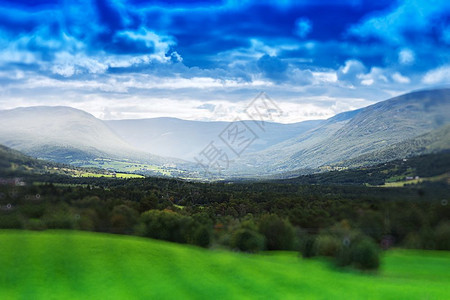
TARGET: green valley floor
(81,265)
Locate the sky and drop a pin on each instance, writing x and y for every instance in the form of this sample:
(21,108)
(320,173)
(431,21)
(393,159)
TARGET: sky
(206,60)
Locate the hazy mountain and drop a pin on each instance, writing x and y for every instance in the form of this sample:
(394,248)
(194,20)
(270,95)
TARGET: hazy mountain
(64,134)
(437,140)
(353,134)
(407,125)
(186,139)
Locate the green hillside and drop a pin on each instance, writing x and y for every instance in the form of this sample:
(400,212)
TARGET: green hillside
(69,265)
(15,163)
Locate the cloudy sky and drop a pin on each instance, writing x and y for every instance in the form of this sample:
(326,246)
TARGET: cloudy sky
(205,60)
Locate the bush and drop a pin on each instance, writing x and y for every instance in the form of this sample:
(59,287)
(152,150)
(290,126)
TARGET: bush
(202,237)
(35,224)
(361,253)
(327,245)
(123,219)
(10,221)
(247,240)
(87,219)
(165,225)
(59,219)
(442,236)
(279,233)
(343,256)
(365,255)
(413,241)
(348,247)
(307,246)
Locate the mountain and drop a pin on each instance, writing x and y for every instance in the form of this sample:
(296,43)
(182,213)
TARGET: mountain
(352,134)
(435,141)
(14,164)
(404,126)
(65,134)
(186,139)
(428,167)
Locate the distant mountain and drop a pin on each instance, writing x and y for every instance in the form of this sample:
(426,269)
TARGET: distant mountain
(186,139)
(353,134)
(65,134)
(435,141)
(13,162)
(404,126)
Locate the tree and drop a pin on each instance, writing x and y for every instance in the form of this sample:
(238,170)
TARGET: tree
(279,233)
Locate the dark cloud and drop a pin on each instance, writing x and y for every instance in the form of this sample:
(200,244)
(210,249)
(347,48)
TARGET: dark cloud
(323,47)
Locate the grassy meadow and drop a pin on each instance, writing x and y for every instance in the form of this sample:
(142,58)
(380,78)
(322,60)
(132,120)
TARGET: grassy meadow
(74,265)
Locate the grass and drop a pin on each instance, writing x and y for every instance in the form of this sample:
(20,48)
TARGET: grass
(117,175)
(402,183)
(69,264)
(128,166)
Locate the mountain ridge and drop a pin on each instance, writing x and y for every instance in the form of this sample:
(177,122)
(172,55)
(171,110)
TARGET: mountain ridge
(408,124)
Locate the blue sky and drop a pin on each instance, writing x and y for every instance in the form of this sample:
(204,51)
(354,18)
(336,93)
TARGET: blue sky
(206,60)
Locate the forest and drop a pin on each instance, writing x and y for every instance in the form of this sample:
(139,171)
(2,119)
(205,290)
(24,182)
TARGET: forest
(350,222)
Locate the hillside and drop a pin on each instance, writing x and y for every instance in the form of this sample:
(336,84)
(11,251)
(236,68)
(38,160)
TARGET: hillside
(74,265)
(432,142)
(45,131)
(72,136)
(352,134)
(15,165)
(431,167)
(14,162)
(186,139)
(408,125)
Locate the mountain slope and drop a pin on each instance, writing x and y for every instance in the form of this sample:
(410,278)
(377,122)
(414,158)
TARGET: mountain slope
(353,134)
(186,139)
(431,142)
(64,134)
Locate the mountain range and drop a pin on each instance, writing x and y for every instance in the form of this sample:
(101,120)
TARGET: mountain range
(350,135)
(407,125)
(186,139)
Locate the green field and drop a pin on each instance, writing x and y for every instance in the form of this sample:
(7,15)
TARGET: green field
(65,265)
(117,175)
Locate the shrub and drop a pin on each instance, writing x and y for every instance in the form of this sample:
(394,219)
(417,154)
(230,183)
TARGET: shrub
(165,225)
(327,245)
(35,224)
(202,237)
(343,256)
(413,241)
(247,240)
(365,255)
(361,253)
(59,218)
(123,219)
(10,221)
(442,236)
(279,233)
(59,221)
(87,219)
(307,246)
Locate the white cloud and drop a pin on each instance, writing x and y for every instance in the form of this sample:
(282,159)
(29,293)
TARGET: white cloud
(376,75)
(351,71)
(439,75)
(160,43)
(406,57)
(397,77)
(324,77)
